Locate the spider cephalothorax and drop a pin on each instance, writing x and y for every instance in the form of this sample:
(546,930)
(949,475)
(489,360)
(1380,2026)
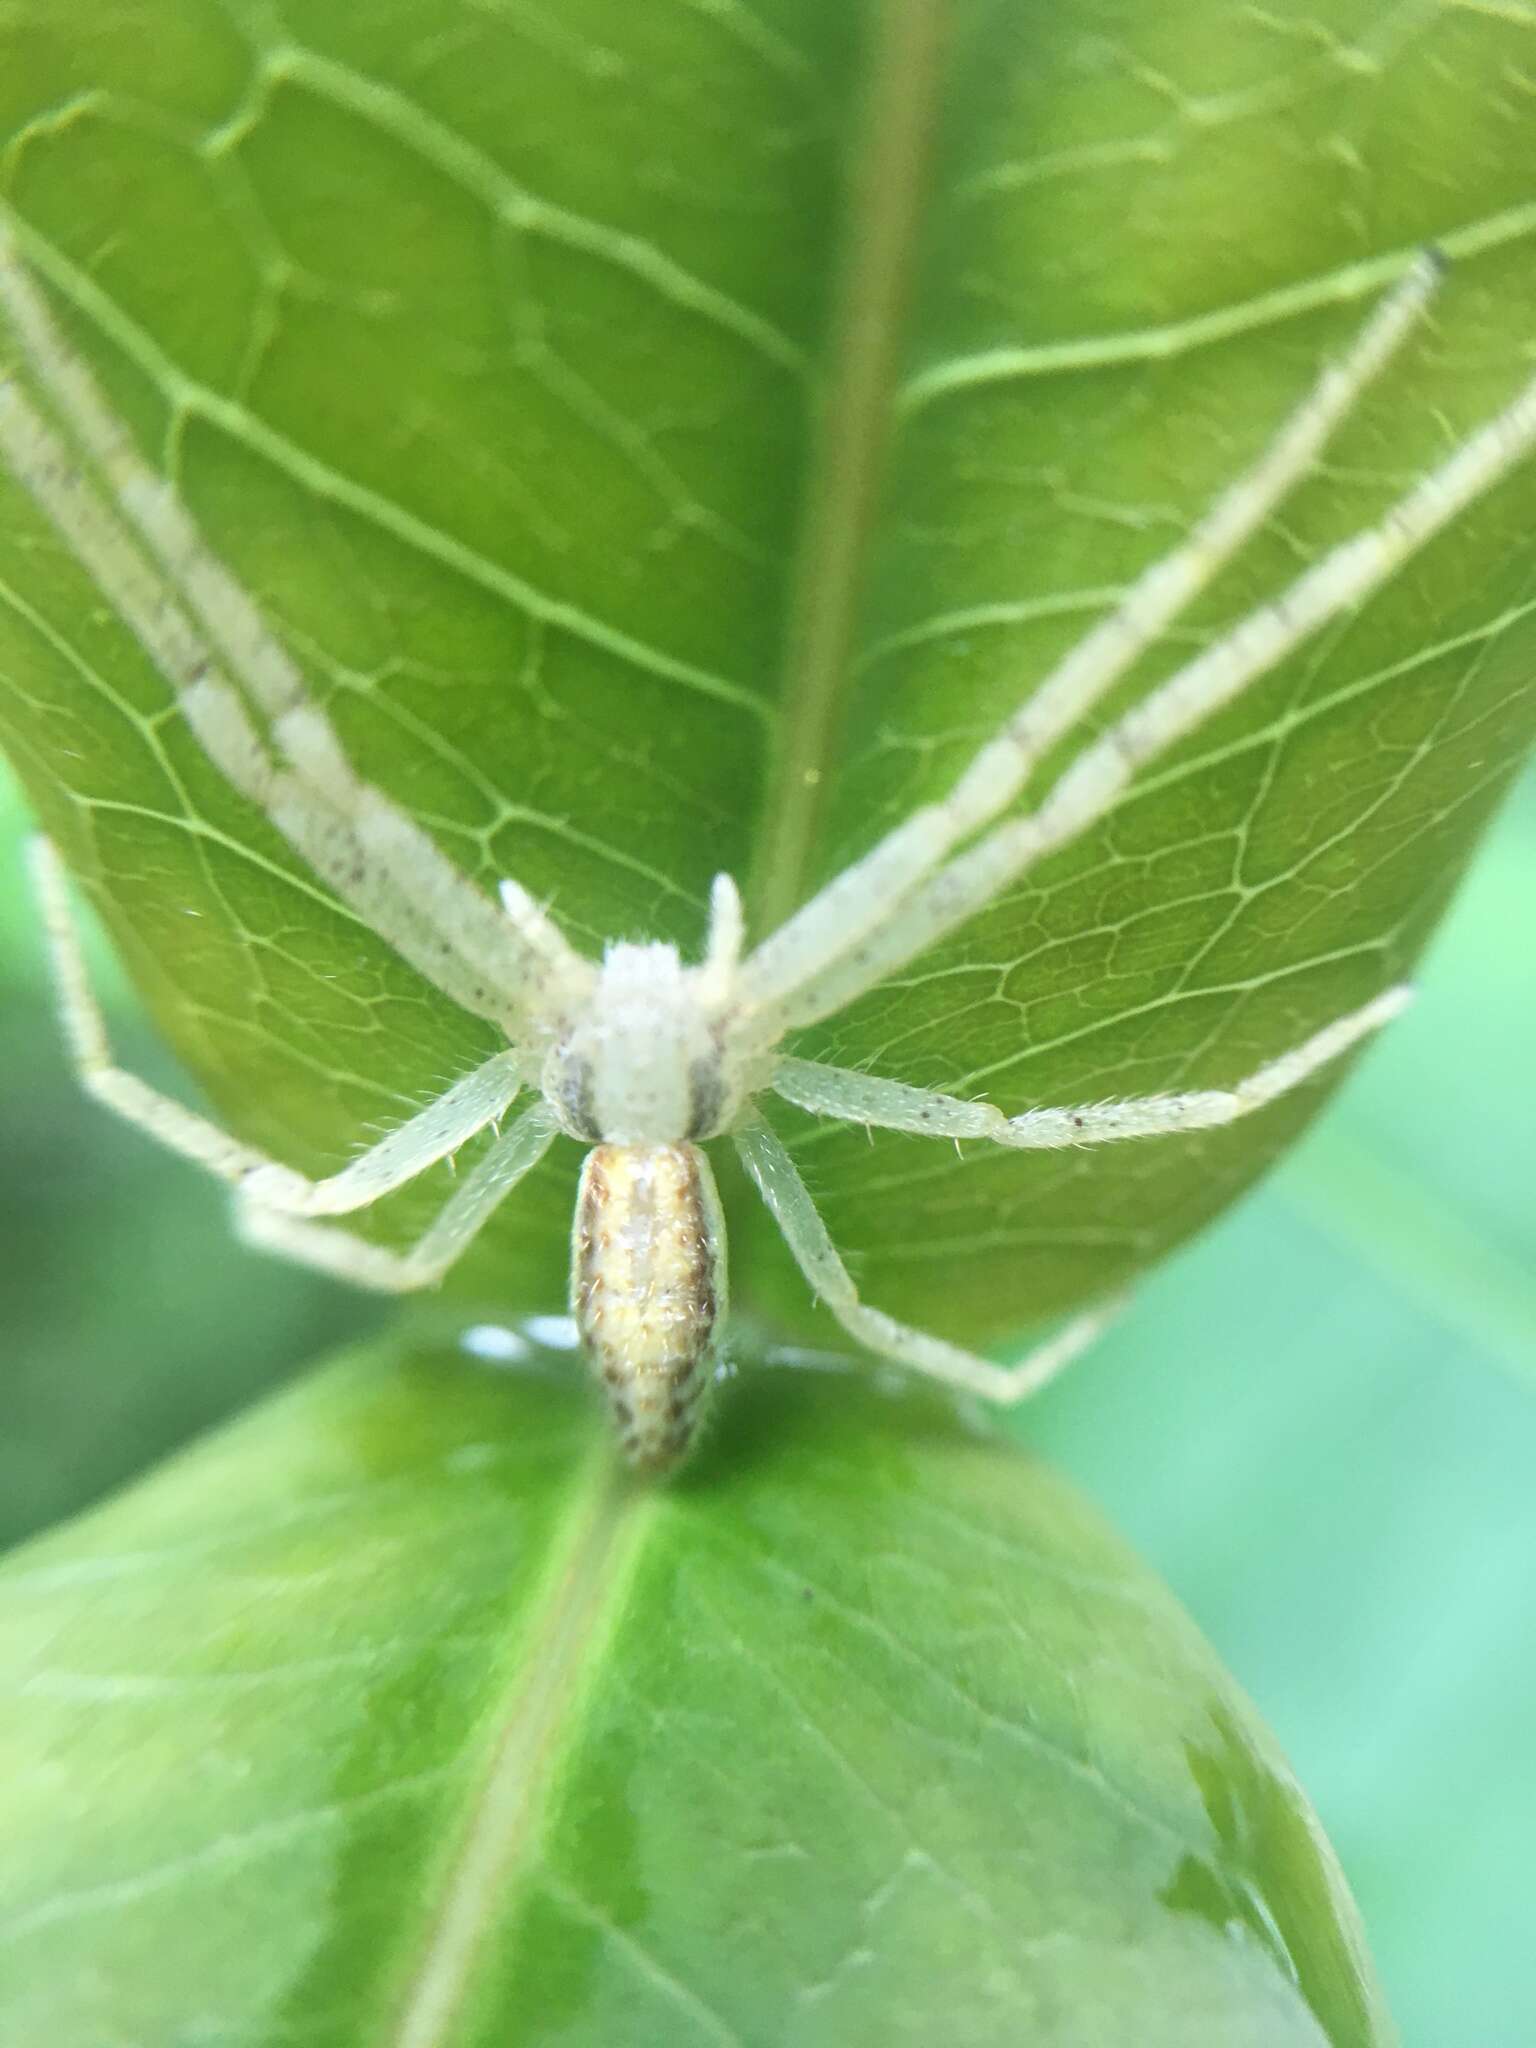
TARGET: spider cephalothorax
(646,1054)
(642,1056)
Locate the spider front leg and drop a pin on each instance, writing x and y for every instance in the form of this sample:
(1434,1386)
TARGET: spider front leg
(789,1201)
(439,1129)
(867,1099)
(863,900)
(1105,770)
(202,628)
(486,985)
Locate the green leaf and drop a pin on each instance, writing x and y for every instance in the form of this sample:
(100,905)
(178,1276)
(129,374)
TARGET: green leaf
(1341,1489)
(396,1713)
(671,438)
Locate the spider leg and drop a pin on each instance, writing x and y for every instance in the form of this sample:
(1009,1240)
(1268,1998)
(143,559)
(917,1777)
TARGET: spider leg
(727,930)
(1102,772)
(218,718)
(859,900)
(867,1099)
(392,863)
(405,1152)
(348,1257)
(403,850)
(790,1203)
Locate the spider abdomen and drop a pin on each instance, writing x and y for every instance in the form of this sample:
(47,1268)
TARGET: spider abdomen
(648,1289)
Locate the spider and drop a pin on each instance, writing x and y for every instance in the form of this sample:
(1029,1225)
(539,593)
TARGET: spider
(641,1056)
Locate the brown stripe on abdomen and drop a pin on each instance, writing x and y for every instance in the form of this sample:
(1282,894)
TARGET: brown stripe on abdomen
(647,1290)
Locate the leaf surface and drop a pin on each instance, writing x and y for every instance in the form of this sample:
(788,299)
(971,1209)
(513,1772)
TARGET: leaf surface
(671,438)
(1345,1436)
(394,1714)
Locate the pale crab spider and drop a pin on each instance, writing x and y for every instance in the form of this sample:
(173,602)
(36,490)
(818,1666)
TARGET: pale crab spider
(639,1056)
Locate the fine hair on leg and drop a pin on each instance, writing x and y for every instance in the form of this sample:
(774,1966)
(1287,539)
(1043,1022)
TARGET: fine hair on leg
(895,1105)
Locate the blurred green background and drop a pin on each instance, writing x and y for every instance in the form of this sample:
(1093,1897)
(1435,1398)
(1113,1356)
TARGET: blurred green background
(1319,1423)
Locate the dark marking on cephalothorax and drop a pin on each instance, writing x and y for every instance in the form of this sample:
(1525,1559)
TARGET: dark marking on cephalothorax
(706,1097)
(576,1099)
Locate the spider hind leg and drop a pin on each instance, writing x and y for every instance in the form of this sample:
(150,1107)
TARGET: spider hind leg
(264,1184)
(790,1204)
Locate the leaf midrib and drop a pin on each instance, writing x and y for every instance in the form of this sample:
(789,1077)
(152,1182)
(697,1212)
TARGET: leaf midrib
(502,1823)
(503,1820)
(886,174)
